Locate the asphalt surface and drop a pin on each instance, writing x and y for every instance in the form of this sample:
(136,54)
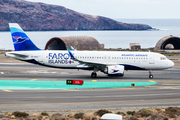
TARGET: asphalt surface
(164,93)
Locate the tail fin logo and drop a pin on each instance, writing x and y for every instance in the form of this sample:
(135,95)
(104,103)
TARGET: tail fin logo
(20,39)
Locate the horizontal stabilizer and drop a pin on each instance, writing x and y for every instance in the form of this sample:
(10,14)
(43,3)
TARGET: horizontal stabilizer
(17,55)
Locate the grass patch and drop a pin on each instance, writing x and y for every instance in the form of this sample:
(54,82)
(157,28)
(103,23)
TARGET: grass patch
(158,110)
(44,114)
(71,115)
(170,53)
(133,118)
(131,112)
(79,115)
(102,112)
(145,112)
(121,113)
(20,114)
(173,59)
(172,109)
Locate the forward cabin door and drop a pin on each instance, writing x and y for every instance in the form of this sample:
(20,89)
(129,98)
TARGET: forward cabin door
(151,59)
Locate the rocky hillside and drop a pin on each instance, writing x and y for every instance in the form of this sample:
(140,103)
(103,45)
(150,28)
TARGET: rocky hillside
(43,17)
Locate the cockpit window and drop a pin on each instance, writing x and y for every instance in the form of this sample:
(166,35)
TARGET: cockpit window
(163,58)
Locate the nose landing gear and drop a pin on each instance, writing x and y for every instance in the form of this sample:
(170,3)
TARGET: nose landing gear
(150,75)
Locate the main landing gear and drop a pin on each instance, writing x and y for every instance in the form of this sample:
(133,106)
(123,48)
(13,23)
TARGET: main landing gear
(94,74)
(150,75)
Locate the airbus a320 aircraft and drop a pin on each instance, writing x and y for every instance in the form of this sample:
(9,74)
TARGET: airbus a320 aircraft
(108,62)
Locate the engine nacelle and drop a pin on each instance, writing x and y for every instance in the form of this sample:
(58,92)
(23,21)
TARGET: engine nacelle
(114,70)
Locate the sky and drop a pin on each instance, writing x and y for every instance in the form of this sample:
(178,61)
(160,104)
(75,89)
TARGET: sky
(123,9)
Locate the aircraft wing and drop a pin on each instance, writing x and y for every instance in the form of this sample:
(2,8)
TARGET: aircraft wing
(89,63)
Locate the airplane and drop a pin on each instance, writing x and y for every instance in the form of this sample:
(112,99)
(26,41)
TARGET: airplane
(112,63)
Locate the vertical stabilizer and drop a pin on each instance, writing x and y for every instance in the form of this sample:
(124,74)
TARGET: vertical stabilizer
(20,40)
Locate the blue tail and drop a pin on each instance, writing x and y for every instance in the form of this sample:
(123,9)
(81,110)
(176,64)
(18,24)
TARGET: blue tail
(20,40)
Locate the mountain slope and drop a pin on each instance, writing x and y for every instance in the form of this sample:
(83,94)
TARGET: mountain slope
(39,16)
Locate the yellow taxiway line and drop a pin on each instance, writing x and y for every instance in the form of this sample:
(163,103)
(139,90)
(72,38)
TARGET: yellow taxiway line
(32,79)
(8,90)
(151,81)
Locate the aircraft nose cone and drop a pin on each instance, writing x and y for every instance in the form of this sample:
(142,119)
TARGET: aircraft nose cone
(171,64)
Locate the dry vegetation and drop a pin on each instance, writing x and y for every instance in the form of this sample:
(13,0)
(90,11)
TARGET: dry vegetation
(169,113)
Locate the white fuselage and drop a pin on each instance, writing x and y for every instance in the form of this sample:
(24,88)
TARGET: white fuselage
(111,63)
(62,59)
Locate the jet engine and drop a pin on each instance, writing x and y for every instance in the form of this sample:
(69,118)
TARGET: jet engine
(114,70)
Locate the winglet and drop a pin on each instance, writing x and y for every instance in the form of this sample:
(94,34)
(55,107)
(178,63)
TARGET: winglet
(72,56)
(72,48)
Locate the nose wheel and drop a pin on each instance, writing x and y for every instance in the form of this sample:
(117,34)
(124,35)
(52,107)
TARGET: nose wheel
(93,75)
(150,75)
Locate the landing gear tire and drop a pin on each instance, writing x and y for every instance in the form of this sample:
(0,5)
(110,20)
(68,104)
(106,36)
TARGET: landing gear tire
(94,75)
(151,76)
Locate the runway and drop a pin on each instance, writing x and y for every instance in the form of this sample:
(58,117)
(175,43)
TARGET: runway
(164,93)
